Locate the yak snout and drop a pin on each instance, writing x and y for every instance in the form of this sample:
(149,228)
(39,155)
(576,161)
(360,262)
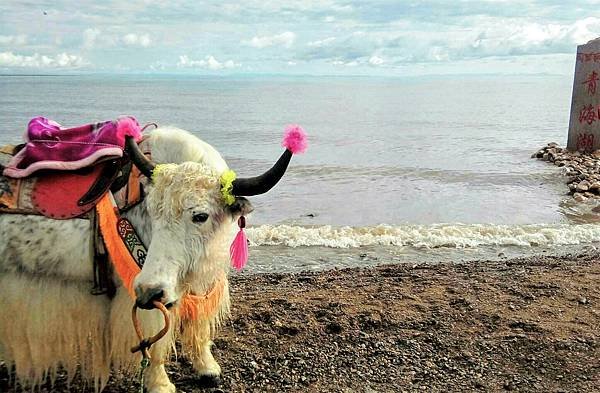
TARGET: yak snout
(146,295)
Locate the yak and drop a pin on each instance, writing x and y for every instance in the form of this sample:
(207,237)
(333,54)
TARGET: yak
(49,321)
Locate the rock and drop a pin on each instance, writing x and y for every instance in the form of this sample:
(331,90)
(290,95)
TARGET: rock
(333,328)
(583,186)
(582,300)
(570,179)
(579,197)
(552,144)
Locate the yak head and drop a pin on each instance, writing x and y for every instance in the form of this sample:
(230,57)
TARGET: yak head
(192,212)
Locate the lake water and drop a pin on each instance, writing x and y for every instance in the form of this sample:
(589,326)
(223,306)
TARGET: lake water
(397,170)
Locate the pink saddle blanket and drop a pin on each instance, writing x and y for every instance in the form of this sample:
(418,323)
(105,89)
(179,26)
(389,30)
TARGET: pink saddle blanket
(50,146)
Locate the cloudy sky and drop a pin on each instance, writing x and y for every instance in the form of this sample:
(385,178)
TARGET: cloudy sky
(323,37)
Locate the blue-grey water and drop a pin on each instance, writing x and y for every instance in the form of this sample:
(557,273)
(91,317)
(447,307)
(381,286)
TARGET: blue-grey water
(412,166)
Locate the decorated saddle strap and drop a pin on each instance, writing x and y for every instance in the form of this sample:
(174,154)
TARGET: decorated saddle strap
(132,241)
(9,193)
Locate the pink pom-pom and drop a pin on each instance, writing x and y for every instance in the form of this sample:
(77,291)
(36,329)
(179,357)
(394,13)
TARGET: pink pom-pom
(295,139)
(128,126)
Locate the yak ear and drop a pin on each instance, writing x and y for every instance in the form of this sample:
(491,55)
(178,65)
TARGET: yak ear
(240,207)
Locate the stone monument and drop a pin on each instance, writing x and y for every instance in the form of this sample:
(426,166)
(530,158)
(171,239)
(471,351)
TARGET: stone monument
(584,125)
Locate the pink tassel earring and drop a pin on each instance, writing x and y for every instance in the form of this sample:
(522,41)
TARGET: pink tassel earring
(239,247)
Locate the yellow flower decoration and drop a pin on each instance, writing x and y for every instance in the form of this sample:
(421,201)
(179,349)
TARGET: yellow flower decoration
(227,179)
(158,169)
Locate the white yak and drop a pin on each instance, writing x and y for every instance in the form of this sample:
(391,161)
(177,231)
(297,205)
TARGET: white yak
(49,319)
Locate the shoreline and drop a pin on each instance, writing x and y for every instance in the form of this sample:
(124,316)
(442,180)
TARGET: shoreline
(523,324)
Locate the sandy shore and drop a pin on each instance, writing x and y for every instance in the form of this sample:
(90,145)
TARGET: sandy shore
(527,325)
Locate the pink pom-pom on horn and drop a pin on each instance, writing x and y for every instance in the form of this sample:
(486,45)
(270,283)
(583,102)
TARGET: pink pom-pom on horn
(295,139)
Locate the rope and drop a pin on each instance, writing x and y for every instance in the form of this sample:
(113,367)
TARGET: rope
(146,343)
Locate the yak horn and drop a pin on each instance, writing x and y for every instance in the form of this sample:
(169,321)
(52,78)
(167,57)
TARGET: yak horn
(294,141)
(263,183)
(138,158)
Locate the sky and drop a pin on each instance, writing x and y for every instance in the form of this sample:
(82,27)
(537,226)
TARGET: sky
(326,37)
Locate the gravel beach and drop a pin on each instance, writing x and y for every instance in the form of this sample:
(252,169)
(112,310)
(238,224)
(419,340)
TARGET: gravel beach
(526,325)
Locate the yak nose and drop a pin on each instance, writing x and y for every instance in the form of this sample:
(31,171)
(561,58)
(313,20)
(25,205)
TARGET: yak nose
(145,296)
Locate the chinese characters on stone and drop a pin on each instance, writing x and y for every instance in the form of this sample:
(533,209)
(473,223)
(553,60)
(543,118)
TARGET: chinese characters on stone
(585,141)
(591,83)
(589,114)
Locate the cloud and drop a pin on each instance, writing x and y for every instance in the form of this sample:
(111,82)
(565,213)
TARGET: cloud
(132,39)
(61,60)
(375,37)
(90,36)
(479,38)
(209,63)
(94,38)
(321,43)
(511,38)
(376,61)
(13,40)
(285,39)
(343,49)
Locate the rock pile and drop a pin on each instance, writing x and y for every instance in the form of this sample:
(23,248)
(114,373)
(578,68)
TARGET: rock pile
(582,169)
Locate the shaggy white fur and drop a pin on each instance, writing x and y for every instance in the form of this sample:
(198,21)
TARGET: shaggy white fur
(50,320)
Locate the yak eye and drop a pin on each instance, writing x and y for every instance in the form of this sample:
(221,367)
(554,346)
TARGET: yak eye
(200,217)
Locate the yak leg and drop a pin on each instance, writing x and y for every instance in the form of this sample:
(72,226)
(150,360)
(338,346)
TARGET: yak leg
(156,379)
(124,337)
(196,345)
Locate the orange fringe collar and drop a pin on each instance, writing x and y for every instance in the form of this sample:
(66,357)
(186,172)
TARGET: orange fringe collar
(192,307)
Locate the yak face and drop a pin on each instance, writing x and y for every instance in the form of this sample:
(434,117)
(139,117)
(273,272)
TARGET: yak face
(191,229)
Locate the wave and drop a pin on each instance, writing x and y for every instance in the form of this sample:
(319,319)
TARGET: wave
(425,236)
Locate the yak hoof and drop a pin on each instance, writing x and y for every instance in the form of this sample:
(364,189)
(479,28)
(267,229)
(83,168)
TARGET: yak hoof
(170,388)
(208,381)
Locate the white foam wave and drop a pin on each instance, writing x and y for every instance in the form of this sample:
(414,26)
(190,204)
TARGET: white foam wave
(425,236)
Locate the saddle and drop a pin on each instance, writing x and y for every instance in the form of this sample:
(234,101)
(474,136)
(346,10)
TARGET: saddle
(62,173)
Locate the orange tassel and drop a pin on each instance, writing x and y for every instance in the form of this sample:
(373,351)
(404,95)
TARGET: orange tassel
(194,307)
